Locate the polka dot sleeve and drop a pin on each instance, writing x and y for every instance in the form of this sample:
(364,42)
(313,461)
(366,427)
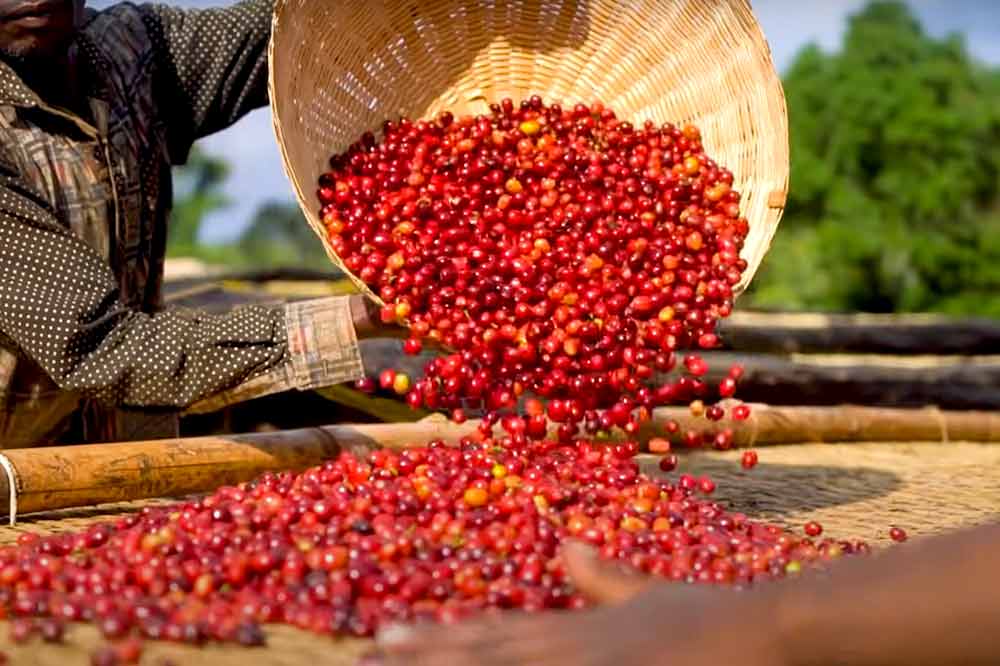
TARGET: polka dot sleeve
(212,66)
(59,303)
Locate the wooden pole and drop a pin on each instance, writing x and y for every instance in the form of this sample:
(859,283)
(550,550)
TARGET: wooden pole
(770,425)
(73,476)
(45,479)
(859,333)
(960,383)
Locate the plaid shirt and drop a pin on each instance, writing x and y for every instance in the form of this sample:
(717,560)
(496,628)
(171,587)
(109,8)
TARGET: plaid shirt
(86,353)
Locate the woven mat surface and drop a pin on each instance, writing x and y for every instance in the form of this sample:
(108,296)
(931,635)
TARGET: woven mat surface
(857,491)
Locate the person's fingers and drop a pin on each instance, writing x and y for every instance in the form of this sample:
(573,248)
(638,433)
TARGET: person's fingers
(399,646)
(436,657)
(512,639)
(555,639)
(403,640)
(602,582)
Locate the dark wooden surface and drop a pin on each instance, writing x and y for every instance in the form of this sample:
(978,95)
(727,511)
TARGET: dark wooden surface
(867,334)
(953,382)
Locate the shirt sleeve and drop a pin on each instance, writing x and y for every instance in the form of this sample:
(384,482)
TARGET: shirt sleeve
(212,66)
(59,303)
(323,351)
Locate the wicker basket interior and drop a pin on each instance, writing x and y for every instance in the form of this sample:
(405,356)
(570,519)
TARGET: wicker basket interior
(339,69)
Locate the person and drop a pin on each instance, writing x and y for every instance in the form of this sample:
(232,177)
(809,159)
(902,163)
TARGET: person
(95,109)
(930,602)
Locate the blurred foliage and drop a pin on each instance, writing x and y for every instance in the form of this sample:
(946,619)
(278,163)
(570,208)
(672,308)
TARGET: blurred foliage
(277,235)
(893,204)
(198,194)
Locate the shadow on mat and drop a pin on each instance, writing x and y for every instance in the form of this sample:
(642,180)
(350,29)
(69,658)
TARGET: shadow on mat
(771,488)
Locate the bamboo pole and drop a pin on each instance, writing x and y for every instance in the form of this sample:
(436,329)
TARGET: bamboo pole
(770,425)
(45,479)
(50,478)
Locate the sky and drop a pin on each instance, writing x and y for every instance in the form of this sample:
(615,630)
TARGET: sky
(789,25)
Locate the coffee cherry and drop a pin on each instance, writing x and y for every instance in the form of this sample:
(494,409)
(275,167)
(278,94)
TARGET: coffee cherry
(105,656)
(114,625)
(129,651)
(387,379)
(21,630)
(668,463)
(813,529)
(659,445)
(366,385)
(727,387)
(749,460)
(723,440)
(412,346)
(693,439)
(476,497)
(249,634)
(52,630)
(401,384)
(898,534)
(695,365)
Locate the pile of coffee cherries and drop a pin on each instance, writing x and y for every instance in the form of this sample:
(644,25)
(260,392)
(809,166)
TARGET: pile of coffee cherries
(431,533)
(558,252)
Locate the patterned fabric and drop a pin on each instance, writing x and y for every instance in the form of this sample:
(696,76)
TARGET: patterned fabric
(85,351)
(322,344)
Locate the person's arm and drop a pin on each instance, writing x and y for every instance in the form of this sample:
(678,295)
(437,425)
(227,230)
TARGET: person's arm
(930,603)
(323,350)
(60,304)
(211,67)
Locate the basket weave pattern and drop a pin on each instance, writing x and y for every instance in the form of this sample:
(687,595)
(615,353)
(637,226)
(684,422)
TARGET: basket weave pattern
(339,69)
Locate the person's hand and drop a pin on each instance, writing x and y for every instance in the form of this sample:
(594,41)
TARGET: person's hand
(642,622)
(368,320)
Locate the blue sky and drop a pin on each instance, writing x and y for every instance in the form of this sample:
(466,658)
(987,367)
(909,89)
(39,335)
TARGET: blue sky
(788,24)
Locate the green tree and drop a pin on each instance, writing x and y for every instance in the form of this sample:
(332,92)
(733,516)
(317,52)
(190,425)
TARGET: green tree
(198,186)
(279,235)
(895,179)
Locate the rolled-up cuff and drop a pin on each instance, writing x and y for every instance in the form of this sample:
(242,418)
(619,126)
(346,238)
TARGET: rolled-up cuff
(322,343)
(322,351)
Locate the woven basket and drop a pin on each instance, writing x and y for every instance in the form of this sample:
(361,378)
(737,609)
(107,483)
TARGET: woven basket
(339,69)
